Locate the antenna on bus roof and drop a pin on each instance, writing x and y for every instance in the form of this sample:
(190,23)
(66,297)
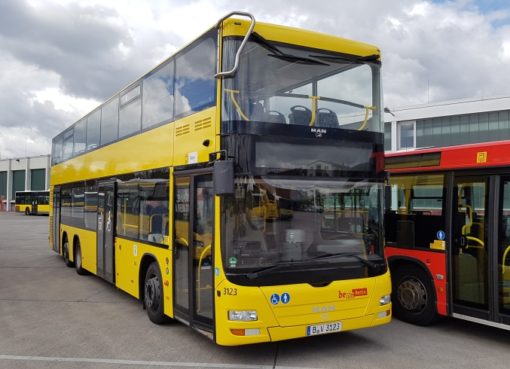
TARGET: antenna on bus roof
(231,72)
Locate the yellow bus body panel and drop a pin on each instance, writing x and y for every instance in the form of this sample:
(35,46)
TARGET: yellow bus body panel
(87,243)
(308,305)
(150,150)
(191,134)
(128,258)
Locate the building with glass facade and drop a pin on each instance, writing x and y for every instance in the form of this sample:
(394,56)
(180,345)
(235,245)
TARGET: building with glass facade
(22,174)
(447,123)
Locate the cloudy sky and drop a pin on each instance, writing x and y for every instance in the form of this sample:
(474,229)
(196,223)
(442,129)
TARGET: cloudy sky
(60,58)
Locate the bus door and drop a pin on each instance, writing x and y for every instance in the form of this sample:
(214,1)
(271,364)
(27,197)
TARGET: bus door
(35,198)
(502,254)
(56,219)
(481,248)
(193,249)
(106,230)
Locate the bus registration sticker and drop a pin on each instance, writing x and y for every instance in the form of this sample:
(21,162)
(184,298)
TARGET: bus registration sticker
(313,330)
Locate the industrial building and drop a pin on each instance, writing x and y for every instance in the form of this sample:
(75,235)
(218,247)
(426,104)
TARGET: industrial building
(447,123)
(22,174)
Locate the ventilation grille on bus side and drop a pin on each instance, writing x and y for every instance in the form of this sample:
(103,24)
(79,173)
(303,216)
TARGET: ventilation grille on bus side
(182,130)
(202,124)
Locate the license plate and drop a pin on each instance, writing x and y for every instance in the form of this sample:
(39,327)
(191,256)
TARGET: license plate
(313,330)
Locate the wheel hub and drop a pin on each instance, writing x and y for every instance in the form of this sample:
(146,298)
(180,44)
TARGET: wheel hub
(152,293)
(412,295)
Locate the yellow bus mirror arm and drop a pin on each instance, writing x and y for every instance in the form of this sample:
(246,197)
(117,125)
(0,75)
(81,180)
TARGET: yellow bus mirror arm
(365,121)
(236,104)
(505,254)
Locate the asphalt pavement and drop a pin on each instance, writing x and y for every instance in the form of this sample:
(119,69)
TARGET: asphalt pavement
(50,317)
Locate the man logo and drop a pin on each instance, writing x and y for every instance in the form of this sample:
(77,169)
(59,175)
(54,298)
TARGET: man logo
(319,132)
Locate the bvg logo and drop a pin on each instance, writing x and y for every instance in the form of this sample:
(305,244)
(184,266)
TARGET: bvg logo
(355,292)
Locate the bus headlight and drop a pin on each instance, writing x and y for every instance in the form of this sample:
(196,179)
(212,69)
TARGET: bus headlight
(242,315)
(385,300)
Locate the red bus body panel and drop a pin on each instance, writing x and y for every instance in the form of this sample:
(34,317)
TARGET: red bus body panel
(435,262)
(492,154)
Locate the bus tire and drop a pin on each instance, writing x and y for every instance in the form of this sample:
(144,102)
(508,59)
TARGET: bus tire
(65,253)
(27,211)
(153,294)
(413,296)
(78,259)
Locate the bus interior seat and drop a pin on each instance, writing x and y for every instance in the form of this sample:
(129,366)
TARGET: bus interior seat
(274,116)
(157,224)
(300,115)
(327,118)
(258,112)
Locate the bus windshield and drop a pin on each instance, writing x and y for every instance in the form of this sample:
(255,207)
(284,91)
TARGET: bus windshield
(310,223)
(293,85)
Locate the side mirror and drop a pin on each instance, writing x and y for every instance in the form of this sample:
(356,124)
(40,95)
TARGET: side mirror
(223,176)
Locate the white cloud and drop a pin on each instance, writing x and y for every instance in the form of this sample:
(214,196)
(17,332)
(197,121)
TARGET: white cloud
(64,56)
(61,101)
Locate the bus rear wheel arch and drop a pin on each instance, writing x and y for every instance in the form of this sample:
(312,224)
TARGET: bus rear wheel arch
(413,296)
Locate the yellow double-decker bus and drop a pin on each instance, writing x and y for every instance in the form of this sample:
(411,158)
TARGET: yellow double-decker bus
(32,202)
(237,187)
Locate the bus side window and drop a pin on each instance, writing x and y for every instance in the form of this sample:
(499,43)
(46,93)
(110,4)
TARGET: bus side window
(153,210)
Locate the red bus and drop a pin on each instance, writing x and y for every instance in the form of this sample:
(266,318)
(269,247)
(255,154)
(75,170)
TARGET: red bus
(448,233)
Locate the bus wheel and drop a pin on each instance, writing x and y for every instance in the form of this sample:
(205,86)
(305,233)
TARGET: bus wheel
(78,259)
(65,253)
(153,294)
(413,296)
(27,211)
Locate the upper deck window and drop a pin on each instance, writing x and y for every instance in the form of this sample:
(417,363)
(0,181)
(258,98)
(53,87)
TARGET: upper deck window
(110,121)
(194,78)
(294,85)
(80,132)
(130,112)
(93,129)
(158,96)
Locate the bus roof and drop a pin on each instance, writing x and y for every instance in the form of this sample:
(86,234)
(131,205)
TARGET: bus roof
(300,37)
(480,155)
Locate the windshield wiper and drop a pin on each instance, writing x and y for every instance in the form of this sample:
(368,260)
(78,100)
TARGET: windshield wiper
(265,43)
(277,53)
(348,58)
(262,271)
(367,262)
(297,59)
(272,268)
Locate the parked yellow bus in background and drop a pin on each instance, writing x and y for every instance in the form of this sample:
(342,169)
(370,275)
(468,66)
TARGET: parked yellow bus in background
(237,187)
(32,202)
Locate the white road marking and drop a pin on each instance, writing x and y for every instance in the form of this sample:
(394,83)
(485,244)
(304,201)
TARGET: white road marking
(141,362)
